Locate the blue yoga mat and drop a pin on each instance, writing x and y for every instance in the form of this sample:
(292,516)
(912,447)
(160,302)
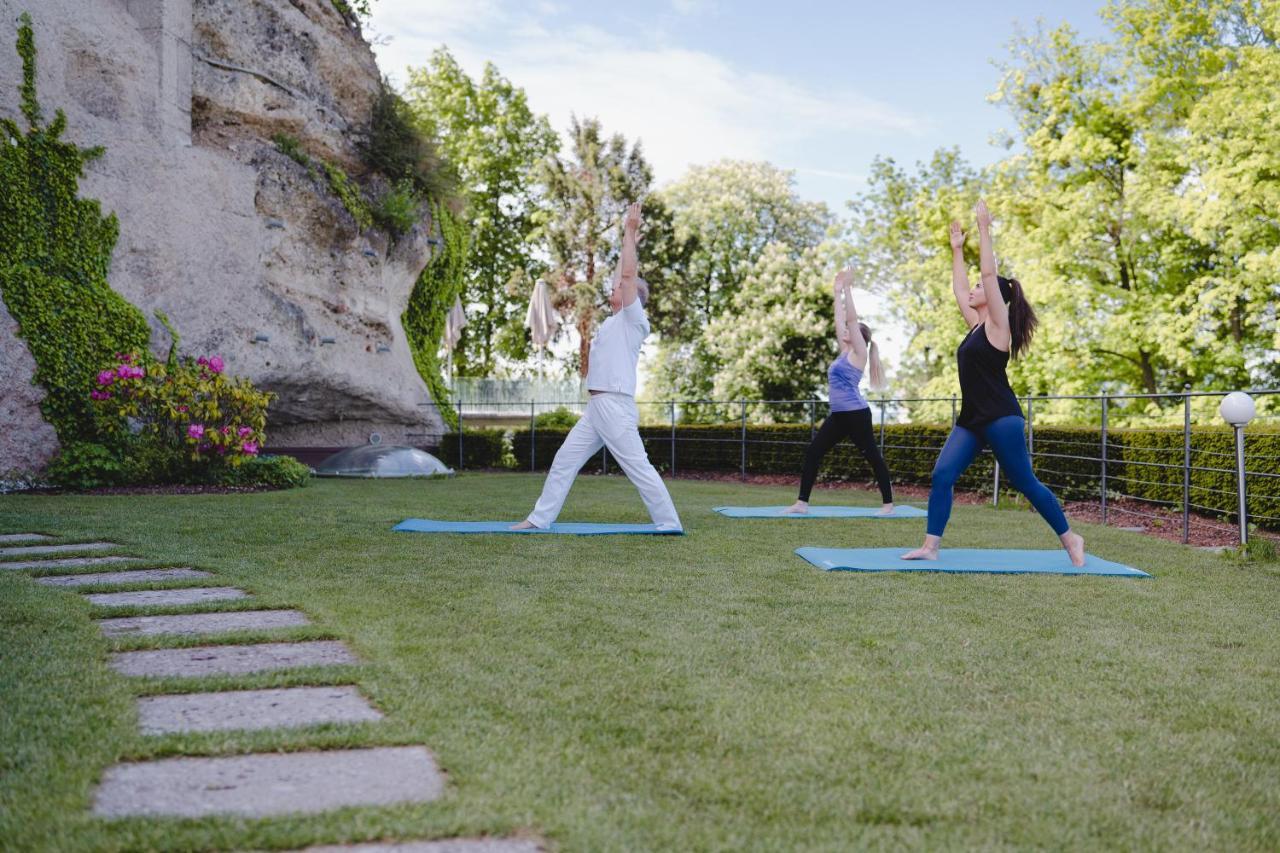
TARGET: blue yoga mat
(819,512)
(428,525)
(994,561)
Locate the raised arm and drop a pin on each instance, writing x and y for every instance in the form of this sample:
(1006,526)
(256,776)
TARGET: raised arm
(997,312)
(960,276)
(630,261)
(857,345)
(842,319)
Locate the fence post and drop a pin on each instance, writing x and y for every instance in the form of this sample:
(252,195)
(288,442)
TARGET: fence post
(995,483)
(1240,485)
(533,439)
(953,411)
(459,435)
(744,440)
(1186,466)
(813,415)
(1031,431)
(673,437)
(1105,404)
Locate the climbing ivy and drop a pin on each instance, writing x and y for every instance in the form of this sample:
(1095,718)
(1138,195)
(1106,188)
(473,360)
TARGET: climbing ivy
(55,249)
(438,285)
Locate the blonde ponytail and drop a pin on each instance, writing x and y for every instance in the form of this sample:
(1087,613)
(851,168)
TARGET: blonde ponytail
(874,369)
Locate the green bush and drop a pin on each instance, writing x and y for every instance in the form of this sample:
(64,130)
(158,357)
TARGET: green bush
(85,465)
(481,448)
(270,472)
(398,210)
(1066,459)
(398,147)
(559,418)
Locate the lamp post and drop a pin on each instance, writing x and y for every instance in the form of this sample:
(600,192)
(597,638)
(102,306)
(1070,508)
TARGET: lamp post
(1237,409)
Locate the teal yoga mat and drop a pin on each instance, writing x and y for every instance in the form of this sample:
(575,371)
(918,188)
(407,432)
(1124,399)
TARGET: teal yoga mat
(819,512)
(993,561)
(428,525)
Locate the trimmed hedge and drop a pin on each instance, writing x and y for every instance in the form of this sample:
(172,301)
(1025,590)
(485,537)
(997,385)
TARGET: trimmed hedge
(481,448)
(1066,459)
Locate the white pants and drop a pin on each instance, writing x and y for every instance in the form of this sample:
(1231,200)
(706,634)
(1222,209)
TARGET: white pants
(611,421)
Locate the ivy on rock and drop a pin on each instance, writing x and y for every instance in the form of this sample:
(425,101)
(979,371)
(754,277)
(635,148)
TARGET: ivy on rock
(55,249)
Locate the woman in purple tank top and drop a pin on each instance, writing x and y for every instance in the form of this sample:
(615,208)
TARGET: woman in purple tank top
(850,413)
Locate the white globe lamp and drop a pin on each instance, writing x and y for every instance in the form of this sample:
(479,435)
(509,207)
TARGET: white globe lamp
(1237,408)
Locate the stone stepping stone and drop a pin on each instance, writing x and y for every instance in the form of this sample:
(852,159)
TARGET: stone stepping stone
(231,660)
(67,563)
(202,623)
(195,595)
(136,576)
(448,845)
(22,537)
(269,784)
(254,709)
(33,550)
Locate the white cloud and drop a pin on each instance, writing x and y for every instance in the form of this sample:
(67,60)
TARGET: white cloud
(686,106)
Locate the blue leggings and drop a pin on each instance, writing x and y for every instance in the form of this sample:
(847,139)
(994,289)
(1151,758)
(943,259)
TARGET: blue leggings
(1006,439)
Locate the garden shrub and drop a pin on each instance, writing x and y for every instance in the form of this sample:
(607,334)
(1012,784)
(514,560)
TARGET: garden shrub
(481,448)
(560,418)
(1062,459)
(269,472)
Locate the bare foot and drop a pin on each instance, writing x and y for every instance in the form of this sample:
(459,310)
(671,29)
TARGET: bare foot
(887,509)
(924,552)
(797,508)
(1074,543)
(524,525)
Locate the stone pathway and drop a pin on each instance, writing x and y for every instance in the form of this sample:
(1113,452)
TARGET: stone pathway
(22,537)
(147,597)
(230,660)
(259,784)
(461,845)
(135,576)
(35,550)
(287,707)
(67,563)
(269,783)
(202,623)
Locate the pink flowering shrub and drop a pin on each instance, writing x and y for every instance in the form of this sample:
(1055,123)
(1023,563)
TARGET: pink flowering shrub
(181,420)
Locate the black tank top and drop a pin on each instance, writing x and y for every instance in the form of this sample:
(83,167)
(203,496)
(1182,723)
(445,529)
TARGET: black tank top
(984,386)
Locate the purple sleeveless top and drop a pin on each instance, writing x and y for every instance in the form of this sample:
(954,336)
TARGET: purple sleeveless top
(842,380)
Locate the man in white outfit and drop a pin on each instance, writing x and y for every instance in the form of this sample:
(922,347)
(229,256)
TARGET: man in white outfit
(611,419)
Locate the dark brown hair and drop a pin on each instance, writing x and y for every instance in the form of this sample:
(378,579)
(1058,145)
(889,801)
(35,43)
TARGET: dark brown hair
(1022,317)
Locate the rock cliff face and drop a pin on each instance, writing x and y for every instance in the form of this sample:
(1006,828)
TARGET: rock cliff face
(249,253)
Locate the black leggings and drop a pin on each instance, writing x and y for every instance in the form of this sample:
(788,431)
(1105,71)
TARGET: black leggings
(857,426)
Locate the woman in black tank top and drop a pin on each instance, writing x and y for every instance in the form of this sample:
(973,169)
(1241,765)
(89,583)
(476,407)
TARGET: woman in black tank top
(1001,323)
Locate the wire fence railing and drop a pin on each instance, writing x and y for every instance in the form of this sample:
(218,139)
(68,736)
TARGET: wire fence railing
(1155,456)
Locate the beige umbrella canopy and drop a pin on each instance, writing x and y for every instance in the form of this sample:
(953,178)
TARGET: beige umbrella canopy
(542,319)
(453,323)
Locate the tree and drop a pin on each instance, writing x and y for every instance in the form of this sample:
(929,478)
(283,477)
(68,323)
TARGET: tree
(898,232)
(497,144)
(725,218)
(587,192)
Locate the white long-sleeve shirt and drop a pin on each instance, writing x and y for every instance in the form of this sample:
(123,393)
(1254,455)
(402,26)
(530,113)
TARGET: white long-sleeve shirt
(615,351)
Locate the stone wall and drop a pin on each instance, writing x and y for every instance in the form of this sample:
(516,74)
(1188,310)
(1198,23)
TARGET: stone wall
(250,255)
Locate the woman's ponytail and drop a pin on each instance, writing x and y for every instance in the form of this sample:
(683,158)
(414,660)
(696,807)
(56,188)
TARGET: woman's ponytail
(875,371)
(1022,317)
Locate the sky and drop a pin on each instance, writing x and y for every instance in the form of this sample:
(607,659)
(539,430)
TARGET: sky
(820,88)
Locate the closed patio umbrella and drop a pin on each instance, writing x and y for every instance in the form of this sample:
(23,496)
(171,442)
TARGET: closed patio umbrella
(542,319)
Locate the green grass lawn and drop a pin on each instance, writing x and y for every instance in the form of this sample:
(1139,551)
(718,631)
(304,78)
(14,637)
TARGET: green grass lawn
(711,691)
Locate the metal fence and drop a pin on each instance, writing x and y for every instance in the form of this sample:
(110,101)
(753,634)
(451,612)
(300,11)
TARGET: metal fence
(1078,466)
